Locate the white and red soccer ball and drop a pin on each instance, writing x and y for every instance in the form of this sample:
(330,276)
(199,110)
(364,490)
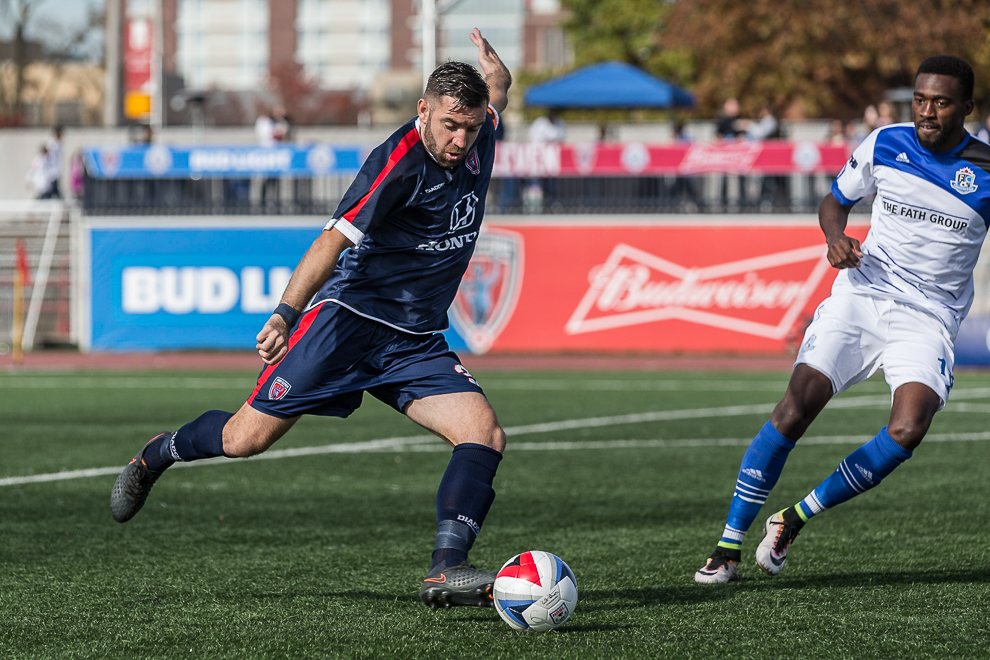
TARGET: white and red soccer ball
(535,591)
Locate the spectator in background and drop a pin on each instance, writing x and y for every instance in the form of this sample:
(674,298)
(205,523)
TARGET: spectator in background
(542,193)
(836,132)
(547,129)
(684,193)
(264,129)
(886,115)
(773,188)
(76,173)
(37,175)
(984,132)
(765,128)
(728,127)
(264,132)
(281,126)
(54,148)
(728,121)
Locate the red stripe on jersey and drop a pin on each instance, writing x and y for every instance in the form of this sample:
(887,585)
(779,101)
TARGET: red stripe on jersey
(494,115)
(407,143)
(304,324)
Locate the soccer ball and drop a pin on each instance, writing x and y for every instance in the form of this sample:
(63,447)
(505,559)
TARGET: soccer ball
(535,591)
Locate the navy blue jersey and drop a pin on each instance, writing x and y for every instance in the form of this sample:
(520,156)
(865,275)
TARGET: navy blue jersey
(414,225)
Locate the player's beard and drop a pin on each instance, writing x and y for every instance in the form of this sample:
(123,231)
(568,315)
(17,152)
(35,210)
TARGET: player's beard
(443,159)
(938,141)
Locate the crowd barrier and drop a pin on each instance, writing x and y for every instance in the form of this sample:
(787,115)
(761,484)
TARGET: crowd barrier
(772,176)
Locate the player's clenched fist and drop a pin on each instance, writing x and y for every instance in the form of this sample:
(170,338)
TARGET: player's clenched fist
(273,340)
(844,252)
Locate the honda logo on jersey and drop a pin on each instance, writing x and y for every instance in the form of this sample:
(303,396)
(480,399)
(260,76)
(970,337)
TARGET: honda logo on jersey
(463,214)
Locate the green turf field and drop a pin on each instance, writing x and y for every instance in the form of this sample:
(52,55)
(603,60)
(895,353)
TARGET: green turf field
(626,476)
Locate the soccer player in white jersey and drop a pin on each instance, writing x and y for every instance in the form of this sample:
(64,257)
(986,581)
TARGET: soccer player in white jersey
(896,305)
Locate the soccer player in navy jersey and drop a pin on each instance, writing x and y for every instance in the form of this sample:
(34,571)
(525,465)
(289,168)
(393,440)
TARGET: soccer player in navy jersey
(364,310)
(896,305)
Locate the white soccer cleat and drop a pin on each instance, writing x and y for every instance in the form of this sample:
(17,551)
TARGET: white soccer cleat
(772,551)
(719,569)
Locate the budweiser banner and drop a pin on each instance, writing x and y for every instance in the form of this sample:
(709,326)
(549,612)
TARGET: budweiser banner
(610,287)
(638,159)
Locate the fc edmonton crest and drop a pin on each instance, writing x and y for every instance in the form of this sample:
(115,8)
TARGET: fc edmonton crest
(472,162)
(964,181)
(489,289)
(279,389)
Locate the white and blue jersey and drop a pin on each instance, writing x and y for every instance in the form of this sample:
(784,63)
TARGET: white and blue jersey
(414,225)
(930,217)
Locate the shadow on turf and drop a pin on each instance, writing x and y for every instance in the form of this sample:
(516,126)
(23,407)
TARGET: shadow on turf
(605,599)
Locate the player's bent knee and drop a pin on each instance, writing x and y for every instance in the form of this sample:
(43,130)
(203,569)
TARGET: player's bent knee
(497,438)
(908,434)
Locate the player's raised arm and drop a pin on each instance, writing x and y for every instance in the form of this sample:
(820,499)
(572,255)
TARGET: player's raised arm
(312,272)
(496,74)
(843,251)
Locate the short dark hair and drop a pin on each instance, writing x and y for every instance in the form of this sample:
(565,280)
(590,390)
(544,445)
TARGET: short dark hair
(461,82)
(950,65)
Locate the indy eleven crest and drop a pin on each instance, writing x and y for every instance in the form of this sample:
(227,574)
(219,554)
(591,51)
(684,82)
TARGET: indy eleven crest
(489,289)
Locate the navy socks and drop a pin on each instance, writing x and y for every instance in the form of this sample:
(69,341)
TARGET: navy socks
(463,500)
(200,438)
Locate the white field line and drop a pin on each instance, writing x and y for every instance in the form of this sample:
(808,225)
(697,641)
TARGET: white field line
(102,383)
(429,443)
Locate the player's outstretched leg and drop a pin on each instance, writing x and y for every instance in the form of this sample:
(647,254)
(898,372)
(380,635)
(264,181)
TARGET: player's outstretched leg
(201,438)
(463,500)
(862,470)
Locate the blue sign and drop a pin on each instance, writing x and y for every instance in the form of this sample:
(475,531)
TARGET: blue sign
(191,288)
(173,162)
(182,288)
(973,341)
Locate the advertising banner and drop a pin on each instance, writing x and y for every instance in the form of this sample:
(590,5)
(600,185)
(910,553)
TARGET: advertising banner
(176,162)
(206,286)
(521,160)
(702,287)
(638,159)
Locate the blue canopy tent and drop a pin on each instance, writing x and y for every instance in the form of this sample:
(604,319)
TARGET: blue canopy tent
(608,85)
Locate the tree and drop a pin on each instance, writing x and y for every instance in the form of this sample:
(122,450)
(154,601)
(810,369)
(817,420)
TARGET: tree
(827,57)
(630,31)
(819,57)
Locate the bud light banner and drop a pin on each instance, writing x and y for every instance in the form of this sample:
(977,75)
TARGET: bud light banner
(178,162)
(702,287)
(181,287)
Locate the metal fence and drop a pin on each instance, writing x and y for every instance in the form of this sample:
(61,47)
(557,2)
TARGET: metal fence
(708,193)
(45,230)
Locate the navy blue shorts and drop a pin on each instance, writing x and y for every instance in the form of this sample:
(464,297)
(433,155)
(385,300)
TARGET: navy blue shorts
(335,356)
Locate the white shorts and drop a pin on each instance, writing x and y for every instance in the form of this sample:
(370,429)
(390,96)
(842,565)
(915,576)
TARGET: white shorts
(852,336)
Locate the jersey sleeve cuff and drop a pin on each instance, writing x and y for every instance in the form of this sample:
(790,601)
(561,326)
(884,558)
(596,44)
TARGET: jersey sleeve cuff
(845,201)
(353,234)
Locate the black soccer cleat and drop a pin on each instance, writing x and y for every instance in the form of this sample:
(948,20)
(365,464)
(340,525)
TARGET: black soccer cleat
(460,584)
(132,486)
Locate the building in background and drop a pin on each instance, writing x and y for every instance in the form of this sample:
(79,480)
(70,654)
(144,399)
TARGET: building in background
(327,61)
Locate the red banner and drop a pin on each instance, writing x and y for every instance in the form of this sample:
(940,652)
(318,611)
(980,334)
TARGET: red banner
(520,159)
(137,68)
(729,287)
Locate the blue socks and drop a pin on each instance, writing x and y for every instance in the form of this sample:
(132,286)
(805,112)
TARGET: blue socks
(761,467)
(859,472)
(200,438)
(463,500)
